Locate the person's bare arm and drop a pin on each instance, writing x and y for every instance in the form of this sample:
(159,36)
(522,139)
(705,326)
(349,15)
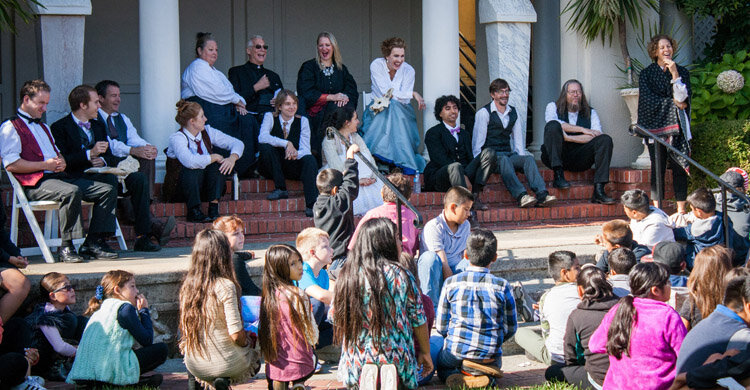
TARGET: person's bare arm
(321,294)
(25,166)
(444,261)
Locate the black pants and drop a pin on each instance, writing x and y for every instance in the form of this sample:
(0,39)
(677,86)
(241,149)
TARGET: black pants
(571,156)
(679,176)
(148,168)
(70,192)
(575,375)
(151,356)
(478,171)
(71,327)
(201,184)
(137,188)
(13,368)
(16,336)
(273,165)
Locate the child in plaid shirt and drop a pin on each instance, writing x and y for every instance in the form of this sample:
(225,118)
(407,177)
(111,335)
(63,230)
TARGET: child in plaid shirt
(476,314)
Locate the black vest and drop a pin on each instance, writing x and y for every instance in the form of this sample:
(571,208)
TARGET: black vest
(582,121)
(122,128)
(498,136)
(294,131)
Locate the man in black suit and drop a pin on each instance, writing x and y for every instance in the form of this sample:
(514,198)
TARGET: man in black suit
(256,84)
(451,158)
(82,141)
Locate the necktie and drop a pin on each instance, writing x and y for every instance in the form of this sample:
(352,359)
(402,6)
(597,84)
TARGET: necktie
(455,130)
(111,128)
(198,145)
(286,131)
(30,119)
(86,125)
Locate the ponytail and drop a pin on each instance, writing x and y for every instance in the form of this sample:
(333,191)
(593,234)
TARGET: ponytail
(643,277)
(106,289)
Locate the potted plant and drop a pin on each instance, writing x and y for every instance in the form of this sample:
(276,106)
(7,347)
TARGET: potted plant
(601,18)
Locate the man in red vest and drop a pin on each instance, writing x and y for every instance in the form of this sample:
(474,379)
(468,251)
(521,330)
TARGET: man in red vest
(30,154)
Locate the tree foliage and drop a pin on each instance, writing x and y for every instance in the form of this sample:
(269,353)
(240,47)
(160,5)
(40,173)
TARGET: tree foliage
(11,8)
(732,24)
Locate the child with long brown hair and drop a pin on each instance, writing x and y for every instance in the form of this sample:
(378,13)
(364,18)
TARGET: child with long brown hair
(287,329)
(57,330)
(234,228)
(216,347)
(119,318)
(642,334)
(705,284)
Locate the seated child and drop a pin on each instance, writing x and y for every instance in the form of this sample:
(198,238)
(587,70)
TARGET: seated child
(287,330)
(444,241)
(737,213)
(649,224)
(724,329)
(621,261)
(409,232)
(476,314)
(642,334)
(333,211)
(584,368)
(733,363)
(708,228)
(555,307)
(617,234)
(119,318)
(55,327)
(234,228)
(313,245)
(15,368)
(672,255)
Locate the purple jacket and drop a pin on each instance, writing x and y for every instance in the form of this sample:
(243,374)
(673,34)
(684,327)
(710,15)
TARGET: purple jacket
(654,343)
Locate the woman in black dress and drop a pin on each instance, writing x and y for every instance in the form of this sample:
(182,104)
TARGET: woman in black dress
(324,84)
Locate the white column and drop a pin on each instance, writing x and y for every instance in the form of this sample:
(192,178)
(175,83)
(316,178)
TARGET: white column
(159,39)
(440,62)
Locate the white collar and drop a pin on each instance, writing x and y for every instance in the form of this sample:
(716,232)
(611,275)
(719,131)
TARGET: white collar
(77,121)
(447,126)
(493,108)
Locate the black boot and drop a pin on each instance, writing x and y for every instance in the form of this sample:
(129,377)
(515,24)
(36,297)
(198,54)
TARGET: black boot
(559,181)
(599,196)
(196,215)
(213,211)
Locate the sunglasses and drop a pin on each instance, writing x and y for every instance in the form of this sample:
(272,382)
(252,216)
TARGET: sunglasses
(66,287)
(258,47)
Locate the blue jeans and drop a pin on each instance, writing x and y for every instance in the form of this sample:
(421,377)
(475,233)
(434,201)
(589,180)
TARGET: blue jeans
(436,345)
(449,364)
(510,163)
(325,329)
(430,269)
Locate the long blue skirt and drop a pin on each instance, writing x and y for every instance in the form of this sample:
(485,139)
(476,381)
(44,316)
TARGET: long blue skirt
(393,136)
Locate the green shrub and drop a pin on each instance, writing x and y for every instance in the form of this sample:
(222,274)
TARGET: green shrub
(718,145)
(709,103)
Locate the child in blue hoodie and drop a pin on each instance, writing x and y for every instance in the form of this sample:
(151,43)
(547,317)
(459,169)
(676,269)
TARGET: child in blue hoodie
(707,229)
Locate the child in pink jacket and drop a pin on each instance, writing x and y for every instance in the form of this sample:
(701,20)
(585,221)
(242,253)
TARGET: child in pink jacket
(642,334)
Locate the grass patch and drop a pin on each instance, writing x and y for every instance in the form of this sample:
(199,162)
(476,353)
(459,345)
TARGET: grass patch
(545,386)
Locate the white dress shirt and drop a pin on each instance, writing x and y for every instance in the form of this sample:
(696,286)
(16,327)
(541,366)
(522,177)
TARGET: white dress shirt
(550,114)
(402,83)
(449,127)
(119,148)
(10,142)
(183,147)
(265,136)
(482,119)
(203,80)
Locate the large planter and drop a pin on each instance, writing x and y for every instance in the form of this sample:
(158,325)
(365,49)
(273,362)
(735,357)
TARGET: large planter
(630,95)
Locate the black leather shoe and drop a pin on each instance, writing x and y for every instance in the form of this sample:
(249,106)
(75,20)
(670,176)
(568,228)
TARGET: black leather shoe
(559,181)
(97,250)
(67,254)
(162,230)
(278,194)
(196,215)
(144,244)
(213,211)
(600,196)
(309,212)
(221,383)
(478,205)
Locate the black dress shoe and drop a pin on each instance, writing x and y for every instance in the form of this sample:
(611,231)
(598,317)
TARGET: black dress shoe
(559,181)
(196,215)
(97,250)
(600,196)
(144,244)
(309,212)
(67,254)
(278,194)
(213,211)
(162,230)
(478,205)
(221,383)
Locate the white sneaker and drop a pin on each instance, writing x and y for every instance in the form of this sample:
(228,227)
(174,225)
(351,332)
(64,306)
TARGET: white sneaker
(388,377)
(368,378)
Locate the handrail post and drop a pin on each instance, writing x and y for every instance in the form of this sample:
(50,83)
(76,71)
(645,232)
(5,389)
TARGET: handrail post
(398,215)
(724,217)
(659,177)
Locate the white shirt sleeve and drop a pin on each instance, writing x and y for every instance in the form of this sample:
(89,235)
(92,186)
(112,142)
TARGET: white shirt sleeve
(405,91)
(304,138)
(550,113)
(134,140)
(518,138)
(379,78)
(225,141)
(209,84)
(179,146)
(679,90)
(402,83)
(10,144)
(265,136)
(596,124)
(479,134)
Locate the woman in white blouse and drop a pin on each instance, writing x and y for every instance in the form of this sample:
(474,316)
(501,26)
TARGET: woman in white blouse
(224,108)
(392,134)
(345,120)
(202,171)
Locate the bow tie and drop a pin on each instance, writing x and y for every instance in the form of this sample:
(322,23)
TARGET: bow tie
(455,130)
(30,119)
(87,125)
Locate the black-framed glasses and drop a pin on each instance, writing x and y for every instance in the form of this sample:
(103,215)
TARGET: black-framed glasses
(258,47)
(66,287)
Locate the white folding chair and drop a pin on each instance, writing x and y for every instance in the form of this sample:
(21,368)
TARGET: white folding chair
(50,238)
(366,99)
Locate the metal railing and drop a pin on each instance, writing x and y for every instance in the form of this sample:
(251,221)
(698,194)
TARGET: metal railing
(469,72)
(332,133)
(638,129)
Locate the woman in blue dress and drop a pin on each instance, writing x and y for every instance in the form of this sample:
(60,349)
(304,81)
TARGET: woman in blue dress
(392,134)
